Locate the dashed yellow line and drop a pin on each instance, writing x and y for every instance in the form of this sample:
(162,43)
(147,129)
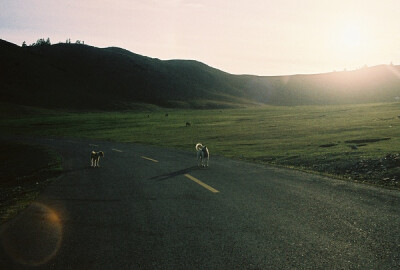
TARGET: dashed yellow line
(149,158)
(201,183)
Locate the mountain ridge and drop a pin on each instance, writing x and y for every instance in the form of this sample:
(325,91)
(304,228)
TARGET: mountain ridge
(83,77)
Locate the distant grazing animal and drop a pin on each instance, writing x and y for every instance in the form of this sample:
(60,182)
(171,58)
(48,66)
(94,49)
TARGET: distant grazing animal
(203,155)
(95,158)
(188,124)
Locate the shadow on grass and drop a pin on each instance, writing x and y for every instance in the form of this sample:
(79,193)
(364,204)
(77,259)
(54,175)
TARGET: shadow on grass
(173,174)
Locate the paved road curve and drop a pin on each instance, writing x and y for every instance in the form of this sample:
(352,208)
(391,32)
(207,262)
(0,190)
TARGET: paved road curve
(152,208)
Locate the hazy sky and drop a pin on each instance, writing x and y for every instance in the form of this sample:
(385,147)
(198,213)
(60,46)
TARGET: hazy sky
(261,37)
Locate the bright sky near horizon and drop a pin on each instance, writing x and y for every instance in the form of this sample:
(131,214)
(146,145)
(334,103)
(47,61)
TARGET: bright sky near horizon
(260,37)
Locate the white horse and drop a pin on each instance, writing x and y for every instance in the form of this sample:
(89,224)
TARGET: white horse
(203,155)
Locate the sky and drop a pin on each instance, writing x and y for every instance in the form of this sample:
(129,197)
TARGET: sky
(259,37)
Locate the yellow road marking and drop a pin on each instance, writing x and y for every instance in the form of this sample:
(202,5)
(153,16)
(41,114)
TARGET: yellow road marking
(116,150)
(149,159)
(201,183)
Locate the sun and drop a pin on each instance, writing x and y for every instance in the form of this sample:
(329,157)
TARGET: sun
(351,44)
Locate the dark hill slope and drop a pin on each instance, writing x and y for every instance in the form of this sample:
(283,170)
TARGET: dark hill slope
(76,76)
(83,77)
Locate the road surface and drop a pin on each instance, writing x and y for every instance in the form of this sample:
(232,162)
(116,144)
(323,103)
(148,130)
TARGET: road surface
(151,208)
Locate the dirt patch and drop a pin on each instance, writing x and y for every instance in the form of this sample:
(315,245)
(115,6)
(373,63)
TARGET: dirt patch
(384,171)
(367,140)
(26,170)
(328,145)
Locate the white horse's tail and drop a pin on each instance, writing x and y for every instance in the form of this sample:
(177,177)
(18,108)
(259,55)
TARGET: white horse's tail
(199,146)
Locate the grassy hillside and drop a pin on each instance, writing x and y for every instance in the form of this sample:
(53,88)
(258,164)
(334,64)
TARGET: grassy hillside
(77,76)
(374,84)
(358,142)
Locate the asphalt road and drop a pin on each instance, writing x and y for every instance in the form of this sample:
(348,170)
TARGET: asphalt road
(152,208)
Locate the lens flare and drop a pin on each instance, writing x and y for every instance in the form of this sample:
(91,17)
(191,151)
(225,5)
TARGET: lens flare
(34,237)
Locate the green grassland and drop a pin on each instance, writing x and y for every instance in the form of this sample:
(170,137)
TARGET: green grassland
(358,142)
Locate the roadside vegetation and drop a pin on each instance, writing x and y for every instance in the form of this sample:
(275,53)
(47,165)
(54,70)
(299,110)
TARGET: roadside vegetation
(353,142)
(25,171)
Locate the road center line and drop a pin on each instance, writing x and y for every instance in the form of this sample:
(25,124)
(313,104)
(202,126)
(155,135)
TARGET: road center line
(201,183)
(116,150)
(149,159)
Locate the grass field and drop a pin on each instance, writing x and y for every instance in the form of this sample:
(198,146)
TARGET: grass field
(358,142)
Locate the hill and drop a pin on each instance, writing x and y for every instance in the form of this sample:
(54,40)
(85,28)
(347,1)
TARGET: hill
(77,76)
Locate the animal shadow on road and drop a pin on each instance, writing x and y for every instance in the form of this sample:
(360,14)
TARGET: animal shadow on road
(173,174)
(69,170)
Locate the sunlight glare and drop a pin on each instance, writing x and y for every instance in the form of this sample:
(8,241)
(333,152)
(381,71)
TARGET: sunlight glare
(352,44)
(351,37)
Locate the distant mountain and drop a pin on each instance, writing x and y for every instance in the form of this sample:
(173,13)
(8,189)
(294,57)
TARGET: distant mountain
(77,76)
